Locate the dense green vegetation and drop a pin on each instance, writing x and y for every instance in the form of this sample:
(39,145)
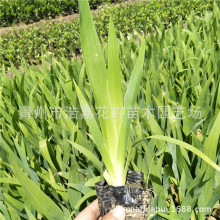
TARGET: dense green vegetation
(44,176)
(59,39)
(29,11)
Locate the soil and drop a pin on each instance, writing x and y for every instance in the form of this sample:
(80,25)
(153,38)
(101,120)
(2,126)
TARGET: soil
(133,196)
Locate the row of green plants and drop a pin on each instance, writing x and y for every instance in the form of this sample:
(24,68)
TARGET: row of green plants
(49,165)
(63,38)
(29,11)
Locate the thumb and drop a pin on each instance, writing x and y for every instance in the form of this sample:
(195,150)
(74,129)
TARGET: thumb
(118,213)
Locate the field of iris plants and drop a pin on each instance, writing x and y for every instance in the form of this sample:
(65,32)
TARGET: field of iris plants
(145,97)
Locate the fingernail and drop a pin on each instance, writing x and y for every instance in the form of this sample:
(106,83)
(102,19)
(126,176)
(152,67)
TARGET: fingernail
(118,212)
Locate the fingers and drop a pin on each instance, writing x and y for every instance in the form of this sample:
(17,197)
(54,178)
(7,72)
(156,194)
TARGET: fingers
(118,213)
(91,212)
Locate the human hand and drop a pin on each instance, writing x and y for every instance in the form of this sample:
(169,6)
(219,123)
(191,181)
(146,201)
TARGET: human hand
(92,212)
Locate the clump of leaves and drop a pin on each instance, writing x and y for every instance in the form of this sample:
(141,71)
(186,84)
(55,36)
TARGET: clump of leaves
(111,140)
